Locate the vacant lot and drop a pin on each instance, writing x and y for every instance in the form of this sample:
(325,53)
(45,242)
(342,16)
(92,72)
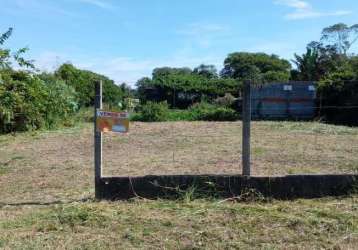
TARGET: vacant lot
(59,164)
(278,148)
(57,167)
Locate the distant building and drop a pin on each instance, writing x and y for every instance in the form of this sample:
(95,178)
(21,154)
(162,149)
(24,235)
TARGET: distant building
(292,100)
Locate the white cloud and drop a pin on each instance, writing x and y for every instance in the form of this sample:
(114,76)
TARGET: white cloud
(98,3)
(304,10)
(313,14)
(203,34)
(297,4)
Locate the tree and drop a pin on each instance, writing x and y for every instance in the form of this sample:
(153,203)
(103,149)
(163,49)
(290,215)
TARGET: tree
(126,90)
(160,74)
(181,87)
(243,65)
(6,57)
(318,61)
(353,61)
(307,65)
(341,35)
(208,71)
(82,82)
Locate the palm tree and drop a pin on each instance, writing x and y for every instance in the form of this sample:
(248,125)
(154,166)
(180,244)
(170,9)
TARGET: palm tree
(308,65)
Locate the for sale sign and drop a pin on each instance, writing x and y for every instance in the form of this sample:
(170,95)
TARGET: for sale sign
(117,122)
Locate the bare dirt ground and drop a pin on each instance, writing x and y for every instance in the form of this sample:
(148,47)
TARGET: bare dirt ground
(46,166)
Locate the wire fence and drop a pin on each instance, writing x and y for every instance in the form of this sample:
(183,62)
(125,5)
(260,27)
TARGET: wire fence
(277,148)
(289,135)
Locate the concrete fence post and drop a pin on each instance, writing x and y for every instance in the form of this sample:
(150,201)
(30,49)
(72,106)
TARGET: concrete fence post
(246,128)
(97,140)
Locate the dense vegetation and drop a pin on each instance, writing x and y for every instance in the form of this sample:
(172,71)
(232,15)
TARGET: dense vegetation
(82,82)
(182,87)
(330,63)
(30,99)
(327,62)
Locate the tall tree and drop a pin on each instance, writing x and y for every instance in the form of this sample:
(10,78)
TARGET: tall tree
(318,61)
(241,65)
(208,71)
(307,65)
(82,82)
(340,35)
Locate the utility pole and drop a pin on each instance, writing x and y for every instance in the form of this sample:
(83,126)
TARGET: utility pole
(246,129)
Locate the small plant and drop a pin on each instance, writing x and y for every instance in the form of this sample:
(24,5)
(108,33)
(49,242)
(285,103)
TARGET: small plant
(78,216)
(251,195)
(226,101)
(209,112)
(189,194)
(153,112)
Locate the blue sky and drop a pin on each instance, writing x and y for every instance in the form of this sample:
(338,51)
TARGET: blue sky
(127,39)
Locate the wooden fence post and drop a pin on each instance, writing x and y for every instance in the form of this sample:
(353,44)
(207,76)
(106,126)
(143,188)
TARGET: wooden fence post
(246,128)
(97,140)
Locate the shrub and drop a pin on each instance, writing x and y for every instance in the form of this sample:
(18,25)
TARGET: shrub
(198,112)
(180,115)
(153,112)
(28,103)
(60,105)
(82,81)
(226,101)
(209,112)
(339,101)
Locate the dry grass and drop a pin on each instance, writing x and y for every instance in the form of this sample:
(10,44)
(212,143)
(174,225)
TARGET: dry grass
(58,165)
(199,224)
(278,148)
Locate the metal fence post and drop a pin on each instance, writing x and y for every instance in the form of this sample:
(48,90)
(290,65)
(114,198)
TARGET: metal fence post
(97,139)
(246,128)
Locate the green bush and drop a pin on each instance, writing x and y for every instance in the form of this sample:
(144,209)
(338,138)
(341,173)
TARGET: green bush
(339,99)
(153,112)
(84,115)
(198,112)
(83,82)
(28,103)
(180,115)
(61,104)
(209,112)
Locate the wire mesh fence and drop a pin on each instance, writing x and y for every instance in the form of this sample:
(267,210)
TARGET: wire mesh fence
(174,148)
(287,137)
(277,148)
